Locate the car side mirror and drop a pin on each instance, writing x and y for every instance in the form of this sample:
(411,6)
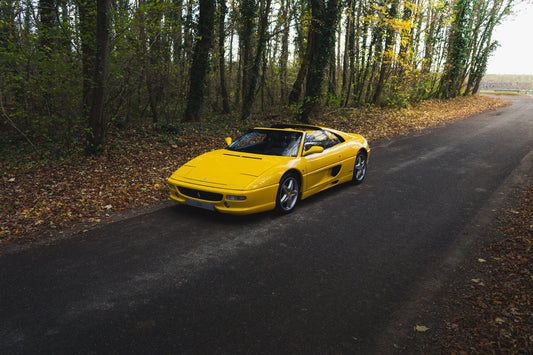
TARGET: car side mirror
(313,150)
(228,141)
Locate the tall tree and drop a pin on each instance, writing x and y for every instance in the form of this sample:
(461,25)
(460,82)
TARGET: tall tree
(285,18)
(362,50)
(175,22)
(251,69)
(456,61)
(150,15)
(349,48)
(200,60)
(7,24)
(248,10)
(326,15)
(429,48)
(48,15)
(94,32)
(386,60)
(484,46)
(310,49)
(222,9)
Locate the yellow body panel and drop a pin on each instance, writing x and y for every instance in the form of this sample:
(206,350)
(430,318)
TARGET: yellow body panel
(252,180)
(258,200)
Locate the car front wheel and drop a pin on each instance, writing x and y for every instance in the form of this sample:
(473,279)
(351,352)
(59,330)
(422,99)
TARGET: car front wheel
(288,192)
(359,170)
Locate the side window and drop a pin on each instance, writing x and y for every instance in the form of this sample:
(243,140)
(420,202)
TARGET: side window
(324,139)
(333,140)
(318,138)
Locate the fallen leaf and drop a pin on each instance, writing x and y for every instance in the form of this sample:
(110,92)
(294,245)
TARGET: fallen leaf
(421,328)
(478,281)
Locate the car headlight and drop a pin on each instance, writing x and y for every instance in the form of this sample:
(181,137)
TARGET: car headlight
(235,198)
(170,186)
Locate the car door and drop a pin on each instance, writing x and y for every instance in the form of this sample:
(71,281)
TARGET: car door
(321,169)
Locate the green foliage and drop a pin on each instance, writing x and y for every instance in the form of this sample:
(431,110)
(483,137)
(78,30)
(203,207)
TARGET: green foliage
(40,93)
(410,50)
(333,100)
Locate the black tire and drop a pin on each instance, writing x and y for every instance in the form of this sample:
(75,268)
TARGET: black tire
(288,193)
(359,169)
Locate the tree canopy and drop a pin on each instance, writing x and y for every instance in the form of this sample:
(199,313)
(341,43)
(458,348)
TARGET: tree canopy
(71,68)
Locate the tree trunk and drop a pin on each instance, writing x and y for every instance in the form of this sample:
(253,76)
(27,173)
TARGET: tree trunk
(7,24)
(348,43)
(362,35)
(387,56)
(221,53)
(405,42)
(450,83)
(352,53)
(48,16)
(252,74)
(326,16)
(247,13)
(176,30)
(375,56)
(429,42)
(154,56)
(284,55)
(188,34)
(310,50)
(200,60)
(332,76)
(87,11)
(96,122)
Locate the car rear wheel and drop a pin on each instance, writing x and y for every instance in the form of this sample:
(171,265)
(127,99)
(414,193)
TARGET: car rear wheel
(288,193)
(359,170)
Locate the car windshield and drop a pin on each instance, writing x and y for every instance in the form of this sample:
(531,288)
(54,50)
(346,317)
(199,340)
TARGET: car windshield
(268,142)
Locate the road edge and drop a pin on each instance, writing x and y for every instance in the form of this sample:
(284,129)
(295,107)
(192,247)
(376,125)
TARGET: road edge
(427,303)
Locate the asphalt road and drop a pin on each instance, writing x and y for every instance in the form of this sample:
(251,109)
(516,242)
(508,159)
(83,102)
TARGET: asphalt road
(328,278)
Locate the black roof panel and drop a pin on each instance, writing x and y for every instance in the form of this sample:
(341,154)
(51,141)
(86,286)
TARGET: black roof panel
(304,127)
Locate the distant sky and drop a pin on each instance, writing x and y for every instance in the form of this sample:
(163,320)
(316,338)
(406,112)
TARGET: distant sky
(515,35)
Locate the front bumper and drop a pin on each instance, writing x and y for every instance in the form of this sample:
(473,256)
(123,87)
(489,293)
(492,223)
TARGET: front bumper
(215,198)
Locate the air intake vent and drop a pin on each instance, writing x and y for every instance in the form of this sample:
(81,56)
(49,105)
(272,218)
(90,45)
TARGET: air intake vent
(256,158)
(335,170)
(202,195)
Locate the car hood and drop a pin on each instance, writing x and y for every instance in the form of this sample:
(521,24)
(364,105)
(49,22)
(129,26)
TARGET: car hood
(225,168)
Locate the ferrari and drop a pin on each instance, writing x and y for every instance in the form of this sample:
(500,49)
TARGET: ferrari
(270,168)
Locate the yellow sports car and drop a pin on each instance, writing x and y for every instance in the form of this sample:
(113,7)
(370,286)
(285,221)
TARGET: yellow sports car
(270,168)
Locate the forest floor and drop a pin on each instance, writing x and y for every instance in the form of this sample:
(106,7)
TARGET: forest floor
(44,200)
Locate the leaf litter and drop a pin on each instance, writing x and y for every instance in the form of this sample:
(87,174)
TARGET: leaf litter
(493,316)
(41,198)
